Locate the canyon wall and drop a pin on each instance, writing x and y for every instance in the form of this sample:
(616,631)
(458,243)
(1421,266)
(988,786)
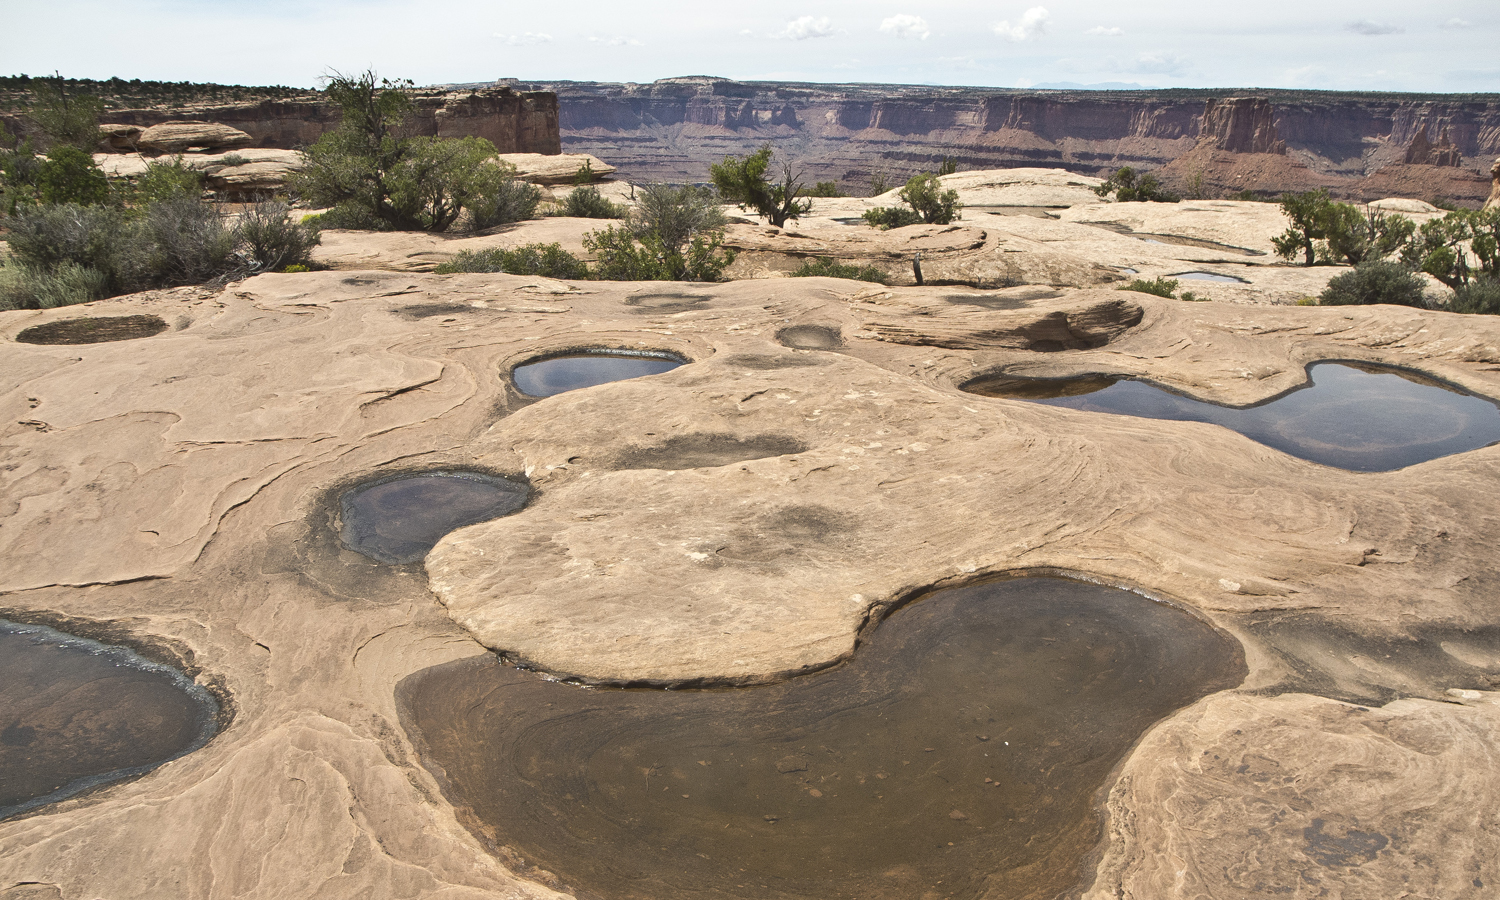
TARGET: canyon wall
(674,128)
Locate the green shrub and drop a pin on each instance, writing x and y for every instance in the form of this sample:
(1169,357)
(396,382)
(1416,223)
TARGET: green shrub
(675,216)
(827,268)
(948,166)
(548,260)
(884,217)
(186,241)
(1129,187)
(45,237)
(1161,287)
(1375,282)
(296,269)
(1310,213)
(924,193)
(375,176)
(231,159)
(587,203)
(879,183)
(70,176)
(503,200)
(27,287)
(623,256)
(273,240)
(348,217)
(1442,247)
(163,180)
(825,189)
(744,182)
(67,121)
(1480,295)
(1356,237)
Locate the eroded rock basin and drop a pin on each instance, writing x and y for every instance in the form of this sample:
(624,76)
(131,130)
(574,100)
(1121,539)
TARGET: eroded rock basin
(75,714)
(573,371)
(957,754)
(1352,416)
(397,520)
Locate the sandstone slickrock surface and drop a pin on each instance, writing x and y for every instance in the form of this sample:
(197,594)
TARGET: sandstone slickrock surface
(557,168)
(183,489)
(175,137)
(1494,198)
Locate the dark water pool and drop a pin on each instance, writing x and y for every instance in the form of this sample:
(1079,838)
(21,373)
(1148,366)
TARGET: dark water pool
(559,374)
(959,751)
(398,520)
(1352,416)
(75,714)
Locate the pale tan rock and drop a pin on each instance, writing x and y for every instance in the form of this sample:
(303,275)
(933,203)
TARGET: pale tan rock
(175,137)
(123,138)
(134,165)
(415,251)
(1494,199)
(560,168)
(1352,800)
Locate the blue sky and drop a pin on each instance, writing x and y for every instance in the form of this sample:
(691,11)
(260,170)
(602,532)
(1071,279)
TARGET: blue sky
(1439,46)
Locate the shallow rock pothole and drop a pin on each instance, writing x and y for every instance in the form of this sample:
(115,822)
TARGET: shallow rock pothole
(1355,416)
(701,451)
(958,751)
(76,714)
(397,520)
(564,372)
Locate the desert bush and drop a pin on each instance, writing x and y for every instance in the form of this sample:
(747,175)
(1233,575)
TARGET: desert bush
(1309,213)
(587,203)
(1480,295)
(948,166)
(925,194)
(69,176)
(45,237)
(1161,287)
(28,287)
(186,241)
(621,255)
(825,189)
(67,121)
(827,268)
(374,176)
(879,183)
(232,159)
(675,216)
(744,182)
(1375,282)
(548,260)
(163,180)
(1443,247)
(346,216)
(273,240)
(1127,187)
(884,217)
(1355,237)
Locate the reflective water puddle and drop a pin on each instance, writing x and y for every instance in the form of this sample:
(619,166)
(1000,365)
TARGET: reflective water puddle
(959,751)
(1351,416)
(398,520)
(573,371)
(75,714)
(1209,276)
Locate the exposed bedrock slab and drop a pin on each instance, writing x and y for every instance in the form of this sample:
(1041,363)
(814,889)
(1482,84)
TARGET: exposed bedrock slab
(741,516)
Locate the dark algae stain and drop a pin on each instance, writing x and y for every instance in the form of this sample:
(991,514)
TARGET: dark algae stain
(958,752)
(398,520)
(75,714)
(96,330)
(1351,416)
(1353,849)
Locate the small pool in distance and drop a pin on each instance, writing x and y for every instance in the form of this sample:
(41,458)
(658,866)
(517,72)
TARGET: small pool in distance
(75,714)
(1351,416)
(398,520)
(958,751)
(573,371)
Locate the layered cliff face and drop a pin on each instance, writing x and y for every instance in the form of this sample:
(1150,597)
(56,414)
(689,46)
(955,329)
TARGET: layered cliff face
(515,122)
(673,129)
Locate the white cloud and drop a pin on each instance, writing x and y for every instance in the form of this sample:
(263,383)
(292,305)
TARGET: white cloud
(519,40)
(1033,24)
(1106,32)
(1365,26)
(617,41)
(1456,23)
(904,26)
(804,27)
(1159,64)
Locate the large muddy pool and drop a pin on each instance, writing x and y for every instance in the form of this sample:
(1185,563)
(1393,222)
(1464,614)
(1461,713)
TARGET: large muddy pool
(961,750)
(1352,416)
(75,714)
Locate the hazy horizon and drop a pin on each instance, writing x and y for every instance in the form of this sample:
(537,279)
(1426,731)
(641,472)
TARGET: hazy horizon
(1378,45)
